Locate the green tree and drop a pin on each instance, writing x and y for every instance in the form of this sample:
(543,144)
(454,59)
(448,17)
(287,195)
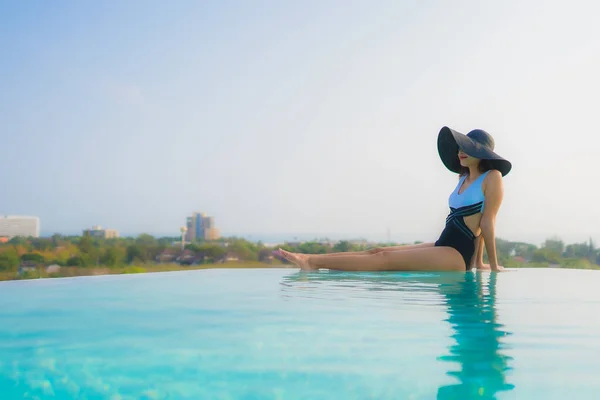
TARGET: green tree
(9,260)
(90,254)
(214,251)
(555,245)
(591,251)
(85,244)
(524,250)
(546,255)
(504,247)
(42,244)
(193,247)
(112,256)
(168,241)
(577,250)
(146,240)
(57,239)
(77,261)
(33,257)
(342,246)
(135,253)
(19,241)
(244,250)
(312,248)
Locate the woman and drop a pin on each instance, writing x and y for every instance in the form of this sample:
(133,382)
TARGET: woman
(474,204)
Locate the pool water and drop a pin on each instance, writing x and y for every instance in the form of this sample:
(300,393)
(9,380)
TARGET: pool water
(282,334)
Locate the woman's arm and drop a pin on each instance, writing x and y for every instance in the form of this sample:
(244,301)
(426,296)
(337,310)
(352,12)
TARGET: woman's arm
(477,261)
(494,192)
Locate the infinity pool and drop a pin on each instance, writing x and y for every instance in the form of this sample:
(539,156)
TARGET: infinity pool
(282,334)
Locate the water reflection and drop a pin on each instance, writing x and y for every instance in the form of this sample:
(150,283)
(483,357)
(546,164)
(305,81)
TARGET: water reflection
(475,358)
(477,352)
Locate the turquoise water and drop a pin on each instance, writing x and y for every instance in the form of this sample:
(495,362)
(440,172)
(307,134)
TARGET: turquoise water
(281,334)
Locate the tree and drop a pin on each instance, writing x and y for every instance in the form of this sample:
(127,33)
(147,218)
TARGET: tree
(504,247)
(146,240)
(135,254)
(33,257)
(525,250)
(9,260)
(167,241)
(77,261)
(193,247)
(19,241)
(57,239)
(213,251)
(244,250)
(62,254)
(312,248)
(112,256)
(85,244)
(554,244)
(342,246)
(89,253)
(547,255)
(42,244)
(577,250)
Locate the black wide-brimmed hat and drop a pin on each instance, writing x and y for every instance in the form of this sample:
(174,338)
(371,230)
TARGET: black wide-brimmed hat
(477,143)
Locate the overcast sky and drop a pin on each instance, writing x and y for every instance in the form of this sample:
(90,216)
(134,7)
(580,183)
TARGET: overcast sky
(316,117)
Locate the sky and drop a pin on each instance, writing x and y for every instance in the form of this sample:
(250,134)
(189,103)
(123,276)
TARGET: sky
(298,117)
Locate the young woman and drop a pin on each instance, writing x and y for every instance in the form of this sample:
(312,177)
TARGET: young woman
(474,204)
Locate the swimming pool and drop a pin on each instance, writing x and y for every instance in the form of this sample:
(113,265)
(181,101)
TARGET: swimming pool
(281,334)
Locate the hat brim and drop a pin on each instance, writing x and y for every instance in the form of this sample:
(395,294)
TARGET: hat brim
(450,141)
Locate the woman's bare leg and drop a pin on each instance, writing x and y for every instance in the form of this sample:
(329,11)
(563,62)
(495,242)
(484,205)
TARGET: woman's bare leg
(346,253)
(408,247)
(378,250)
(420,259)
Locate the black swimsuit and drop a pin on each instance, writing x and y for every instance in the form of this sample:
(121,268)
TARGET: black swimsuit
(457,234)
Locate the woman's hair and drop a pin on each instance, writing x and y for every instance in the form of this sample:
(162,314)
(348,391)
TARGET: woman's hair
(484,166)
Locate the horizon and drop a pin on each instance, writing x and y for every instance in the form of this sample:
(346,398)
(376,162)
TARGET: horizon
(279,238)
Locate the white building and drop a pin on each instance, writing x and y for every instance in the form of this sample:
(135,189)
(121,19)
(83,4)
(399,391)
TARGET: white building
(98,231)
(19,225)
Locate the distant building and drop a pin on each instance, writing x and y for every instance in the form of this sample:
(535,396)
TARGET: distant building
(99,232)
(190,234)
(19,225)
(211,234)
(201,227)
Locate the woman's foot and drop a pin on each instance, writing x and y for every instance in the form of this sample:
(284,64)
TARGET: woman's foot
(300,260)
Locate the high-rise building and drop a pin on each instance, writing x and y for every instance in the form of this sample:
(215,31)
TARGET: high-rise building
(98,231)
(190,234)
(211,234)
(19,225)
(201,227)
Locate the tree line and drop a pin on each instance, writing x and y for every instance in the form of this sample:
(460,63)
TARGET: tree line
(87,251)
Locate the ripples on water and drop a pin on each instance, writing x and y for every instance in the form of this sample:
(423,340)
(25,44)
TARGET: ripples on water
(478,352)
(278,334)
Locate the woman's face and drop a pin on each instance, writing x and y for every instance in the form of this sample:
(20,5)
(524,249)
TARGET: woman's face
(466,160)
